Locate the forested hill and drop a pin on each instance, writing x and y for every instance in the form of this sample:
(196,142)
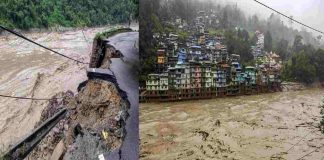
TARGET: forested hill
(26,14)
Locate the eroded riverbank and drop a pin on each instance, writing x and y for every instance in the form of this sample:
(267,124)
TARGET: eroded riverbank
(30,71)
(248,127)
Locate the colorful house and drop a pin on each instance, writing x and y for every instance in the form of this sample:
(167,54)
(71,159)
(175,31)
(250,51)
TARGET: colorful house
(195,74)
(152,82)
(206,76)
(250,73)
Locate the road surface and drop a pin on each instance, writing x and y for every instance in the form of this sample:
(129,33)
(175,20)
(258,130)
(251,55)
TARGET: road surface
(126,72)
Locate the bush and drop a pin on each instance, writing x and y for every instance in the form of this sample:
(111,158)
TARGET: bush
(321,125)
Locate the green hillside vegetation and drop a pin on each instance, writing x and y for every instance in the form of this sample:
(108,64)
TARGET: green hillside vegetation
(112,32)
(26,14)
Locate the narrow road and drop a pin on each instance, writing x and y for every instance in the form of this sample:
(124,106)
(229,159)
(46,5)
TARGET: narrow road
(126,72)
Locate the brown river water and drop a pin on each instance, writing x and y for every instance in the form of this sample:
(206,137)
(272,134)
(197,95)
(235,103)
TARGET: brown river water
(258,127)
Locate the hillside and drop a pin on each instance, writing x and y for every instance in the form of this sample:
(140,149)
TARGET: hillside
(26,14)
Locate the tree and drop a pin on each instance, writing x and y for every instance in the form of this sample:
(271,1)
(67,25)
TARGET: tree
(238,45)
(300,69)
(282,48)
(298,43)
(224,20)
(26,14)
(245,35)
(268,41)
(319,65)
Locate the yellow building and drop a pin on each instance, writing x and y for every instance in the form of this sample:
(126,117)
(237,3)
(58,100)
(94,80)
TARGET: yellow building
(161,56)
(161,60)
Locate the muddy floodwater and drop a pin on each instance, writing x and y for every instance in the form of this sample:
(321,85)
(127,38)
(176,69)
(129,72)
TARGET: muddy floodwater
(258,127)
(30,71)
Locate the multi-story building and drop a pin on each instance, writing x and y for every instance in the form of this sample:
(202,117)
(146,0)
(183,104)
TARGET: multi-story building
(235,73)
(195,74)
(172,78)
(172,61)
(182,56)
(206,77)
(152,82)
(200,66)
(164,81)
(194,53)
(250,75)
(161,61)
(223,54)
(221,75)
(161,56)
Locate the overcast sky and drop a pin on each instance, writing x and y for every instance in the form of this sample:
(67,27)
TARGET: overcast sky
(310,12)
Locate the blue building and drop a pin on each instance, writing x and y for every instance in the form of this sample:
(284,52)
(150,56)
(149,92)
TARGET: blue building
(182,56)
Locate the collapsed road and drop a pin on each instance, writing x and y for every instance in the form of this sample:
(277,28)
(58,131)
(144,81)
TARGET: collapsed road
(104,89)
(126,71)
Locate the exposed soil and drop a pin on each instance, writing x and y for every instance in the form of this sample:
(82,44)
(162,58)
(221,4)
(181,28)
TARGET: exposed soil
(97,109)
(248,127)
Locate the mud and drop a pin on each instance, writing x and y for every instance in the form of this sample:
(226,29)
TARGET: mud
(249,127)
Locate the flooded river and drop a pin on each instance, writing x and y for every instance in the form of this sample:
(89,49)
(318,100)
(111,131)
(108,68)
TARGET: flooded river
(248,127)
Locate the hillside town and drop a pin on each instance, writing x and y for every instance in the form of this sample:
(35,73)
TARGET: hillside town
(200,66)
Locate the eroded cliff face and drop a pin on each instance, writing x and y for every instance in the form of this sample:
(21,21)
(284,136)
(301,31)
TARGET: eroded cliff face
(94,125)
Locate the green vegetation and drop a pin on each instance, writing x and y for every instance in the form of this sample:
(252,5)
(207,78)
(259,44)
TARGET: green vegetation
(112,32)
(299,69)
(2,152)
(239,42)
(268,42)
(215,32)
(305,65)
(26,14)
(183,35)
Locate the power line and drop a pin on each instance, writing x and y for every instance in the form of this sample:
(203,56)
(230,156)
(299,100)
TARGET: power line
(36,99)
(300,140)
(25,38)
(85,38)
(290,17)
(310,152)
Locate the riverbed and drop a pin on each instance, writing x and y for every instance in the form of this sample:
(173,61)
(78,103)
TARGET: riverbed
(278,125)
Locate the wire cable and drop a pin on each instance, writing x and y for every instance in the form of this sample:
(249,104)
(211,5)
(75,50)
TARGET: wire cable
(25,38)
(37,99)
(300,140)
(310,152)
(290,17)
